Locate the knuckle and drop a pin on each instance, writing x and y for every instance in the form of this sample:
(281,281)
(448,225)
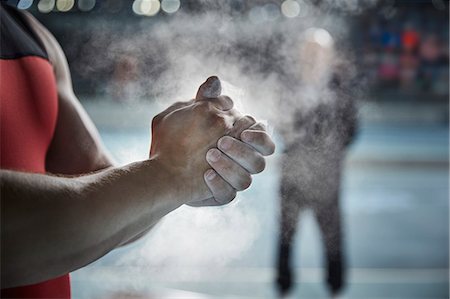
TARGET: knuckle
(202,106)
(177,104)
(156,120)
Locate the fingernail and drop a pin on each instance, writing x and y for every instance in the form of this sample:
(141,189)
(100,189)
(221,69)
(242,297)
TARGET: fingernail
(213,155)
(247,137)
(225,143)
(210,174)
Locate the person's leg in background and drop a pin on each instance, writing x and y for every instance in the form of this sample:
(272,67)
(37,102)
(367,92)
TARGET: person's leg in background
(289,216)
(329,220)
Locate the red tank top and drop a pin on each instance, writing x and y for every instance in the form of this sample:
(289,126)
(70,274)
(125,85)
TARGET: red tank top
(28,114)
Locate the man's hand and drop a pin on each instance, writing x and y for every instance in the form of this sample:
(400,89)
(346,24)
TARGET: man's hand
(237,155)
(182,135)
(234,146)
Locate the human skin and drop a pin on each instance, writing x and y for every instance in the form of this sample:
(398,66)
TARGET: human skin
(54,224)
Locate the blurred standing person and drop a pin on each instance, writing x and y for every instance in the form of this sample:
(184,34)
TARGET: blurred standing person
(315,148)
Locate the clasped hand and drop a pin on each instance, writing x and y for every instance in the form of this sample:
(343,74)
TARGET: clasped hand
(211,147)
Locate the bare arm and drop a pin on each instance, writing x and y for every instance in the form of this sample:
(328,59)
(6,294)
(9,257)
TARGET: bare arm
(54,225)
(76,147)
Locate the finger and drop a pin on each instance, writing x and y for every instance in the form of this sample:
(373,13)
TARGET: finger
(211,88)
(242,124)
(258,127)
(222,192)
(259,140)
(230,171)
(243,154)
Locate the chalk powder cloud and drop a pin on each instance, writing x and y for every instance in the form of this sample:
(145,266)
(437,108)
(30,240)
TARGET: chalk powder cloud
(264,65)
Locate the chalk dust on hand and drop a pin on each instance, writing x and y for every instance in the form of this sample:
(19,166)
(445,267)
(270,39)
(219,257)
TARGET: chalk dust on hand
(212,88)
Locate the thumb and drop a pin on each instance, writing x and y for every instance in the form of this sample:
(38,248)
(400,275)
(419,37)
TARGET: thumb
(210,89)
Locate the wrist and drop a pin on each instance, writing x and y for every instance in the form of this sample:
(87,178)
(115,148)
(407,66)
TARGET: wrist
(186,184)
(168,178)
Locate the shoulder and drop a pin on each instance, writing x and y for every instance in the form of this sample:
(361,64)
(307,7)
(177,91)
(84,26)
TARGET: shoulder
(46,38)
(54,51)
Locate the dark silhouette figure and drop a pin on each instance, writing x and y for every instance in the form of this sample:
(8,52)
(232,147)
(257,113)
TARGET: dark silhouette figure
(311,174)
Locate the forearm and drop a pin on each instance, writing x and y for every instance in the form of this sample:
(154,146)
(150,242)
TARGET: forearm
(54,225)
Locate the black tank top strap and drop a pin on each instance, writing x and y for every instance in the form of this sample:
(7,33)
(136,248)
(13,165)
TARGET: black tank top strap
(17,38)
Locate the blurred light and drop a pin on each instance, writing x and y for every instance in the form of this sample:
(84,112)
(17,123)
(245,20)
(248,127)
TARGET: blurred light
(290,8)
(46,6)
(137,7)
(319,36)
(150,7)
(64,5)
(24,4)
(170,6)
(146,7)
(272,11)
(86,5)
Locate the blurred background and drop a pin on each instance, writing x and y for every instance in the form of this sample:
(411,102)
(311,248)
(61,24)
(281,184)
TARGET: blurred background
(395,184)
